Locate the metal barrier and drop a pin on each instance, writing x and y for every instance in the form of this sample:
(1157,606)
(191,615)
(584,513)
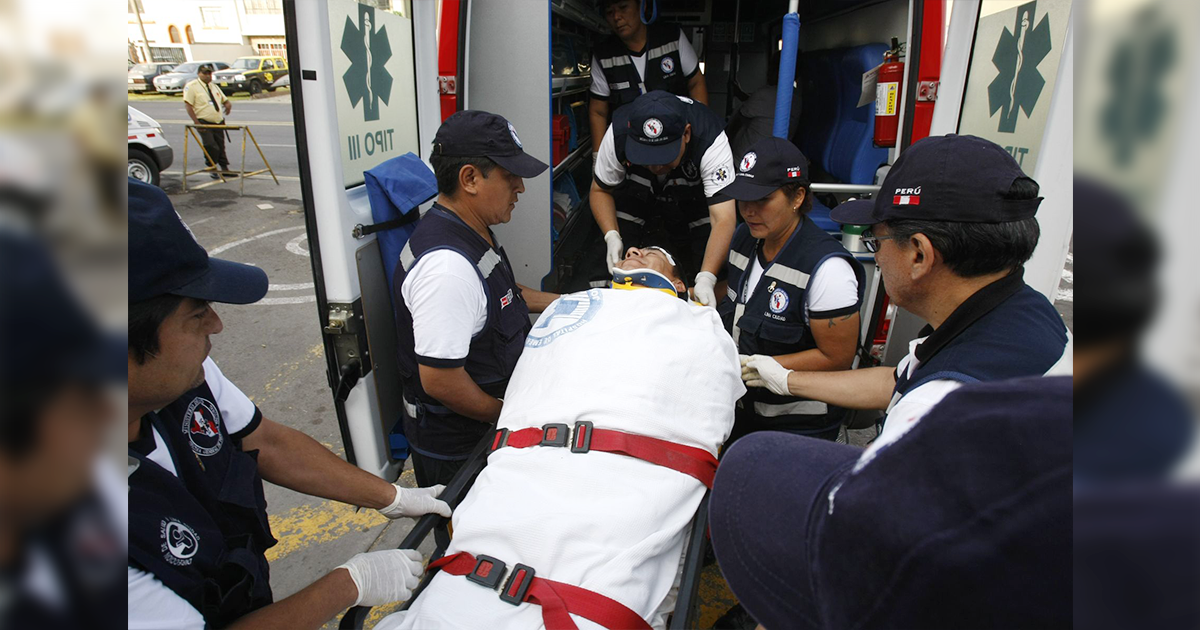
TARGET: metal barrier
(191,130)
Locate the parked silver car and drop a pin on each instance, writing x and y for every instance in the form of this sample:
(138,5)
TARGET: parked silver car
(173,81)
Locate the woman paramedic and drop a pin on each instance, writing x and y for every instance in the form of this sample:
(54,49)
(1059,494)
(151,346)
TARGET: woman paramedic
(794,291)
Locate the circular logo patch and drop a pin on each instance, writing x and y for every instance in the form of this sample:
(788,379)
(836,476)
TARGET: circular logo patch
(748,162)
(722,174)
(569,313)
(779,301)
(513,130)
(652,128)
(201,424)
(690,171)
(667,65)
(180,542)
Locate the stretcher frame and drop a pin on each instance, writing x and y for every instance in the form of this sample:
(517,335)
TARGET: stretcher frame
(686,614)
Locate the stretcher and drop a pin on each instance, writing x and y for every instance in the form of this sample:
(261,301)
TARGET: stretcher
(687,603)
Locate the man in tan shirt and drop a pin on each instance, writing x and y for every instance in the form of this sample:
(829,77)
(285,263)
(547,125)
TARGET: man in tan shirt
(207,105)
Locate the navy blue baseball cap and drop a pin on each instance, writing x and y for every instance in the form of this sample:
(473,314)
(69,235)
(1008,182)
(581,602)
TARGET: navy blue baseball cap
(45,333)
(657,121)
(769,164)
(962,522)
(475,133)
(945,178)
(164,257)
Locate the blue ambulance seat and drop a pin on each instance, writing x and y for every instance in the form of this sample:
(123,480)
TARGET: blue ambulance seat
(853,158)
(834,132)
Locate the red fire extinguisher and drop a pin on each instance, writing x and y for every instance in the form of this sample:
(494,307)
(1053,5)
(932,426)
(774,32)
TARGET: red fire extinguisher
(887,97)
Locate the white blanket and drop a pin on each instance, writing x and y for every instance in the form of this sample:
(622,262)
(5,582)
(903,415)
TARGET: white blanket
(636,361)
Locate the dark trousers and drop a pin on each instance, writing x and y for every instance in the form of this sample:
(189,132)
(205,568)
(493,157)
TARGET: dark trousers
(431,472)
(214,144)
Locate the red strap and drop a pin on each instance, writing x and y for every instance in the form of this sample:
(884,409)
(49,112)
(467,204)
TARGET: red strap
(558,600)
(688,460)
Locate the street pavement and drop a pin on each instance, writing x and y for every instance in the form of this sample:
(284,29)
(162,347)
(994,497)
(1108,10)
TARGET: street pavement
(273,351)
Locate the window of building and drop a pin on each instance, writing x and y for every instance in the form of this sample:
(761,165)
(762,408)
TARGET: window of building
(212,18)
(260,7)
(266,49)
(190,37)
(173,33)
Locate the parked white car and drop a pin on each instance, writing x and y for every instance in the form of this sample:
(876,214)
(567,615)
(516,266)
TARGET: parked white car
(149,151)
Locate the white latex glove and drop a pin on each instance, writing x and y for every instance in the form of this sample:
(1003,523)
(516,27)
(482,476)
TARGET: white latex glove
(414,502)
(616,249)
(383,577)
(703,290)
(763,371)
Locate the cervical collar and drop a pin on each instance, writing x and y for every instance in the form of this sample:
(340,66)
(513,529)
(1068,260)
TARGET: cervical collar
(630,279)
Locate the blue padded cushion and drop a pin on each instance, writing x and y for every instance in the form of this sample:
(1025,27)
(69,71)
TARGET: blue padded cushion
(820,216)
(853,158)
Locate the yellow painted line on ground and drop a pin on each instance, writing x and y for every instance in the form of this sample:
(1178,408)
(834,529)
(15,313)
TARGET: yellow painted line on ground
(309,525)
(714,596)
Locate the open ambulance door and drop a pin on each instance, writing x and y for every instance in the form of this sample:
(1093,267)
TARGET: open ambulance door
(1007,76)
(364,90)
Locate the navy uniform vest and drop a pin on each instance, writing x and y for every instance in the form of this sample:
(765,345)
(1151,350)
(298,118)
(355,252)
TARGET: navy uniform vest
(432,429)
(664,66)
(83,550)
(772,321)
(680,195)
(204,533)
(1006,330)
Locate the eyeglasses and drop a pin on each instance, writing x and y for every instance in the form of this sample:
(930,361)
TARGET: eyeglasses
(871,242)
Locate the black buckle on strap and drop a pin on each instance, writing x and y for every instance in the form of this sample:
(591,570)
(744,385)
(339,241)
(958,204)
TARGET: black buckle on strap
(488,571)
(555,434)
(499,440)
(518,584)
(582,442)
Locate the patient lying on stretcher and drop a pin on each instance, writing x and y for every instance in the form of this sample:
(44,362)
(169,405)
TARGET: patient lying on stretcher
(611,424)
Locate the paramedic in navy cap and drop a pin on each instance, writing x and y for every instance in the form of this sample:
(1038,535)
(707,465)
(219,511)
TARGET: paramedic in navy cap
(794,291)
(963,522)
(951,229)
(199,450)
(60,545)
(656,181)
(461,317)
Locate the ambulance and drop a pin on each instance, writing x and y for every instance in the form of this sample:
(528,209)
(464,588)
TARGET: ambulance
(372,81)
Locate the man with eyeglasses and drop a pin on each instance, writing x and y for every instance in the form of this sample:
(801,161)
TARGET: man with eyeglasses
(951,229)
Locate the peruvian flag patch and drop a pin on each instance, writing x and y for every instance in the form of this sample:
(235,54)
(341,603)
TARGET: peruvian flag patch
(506,299)
(906,200)
(793,171)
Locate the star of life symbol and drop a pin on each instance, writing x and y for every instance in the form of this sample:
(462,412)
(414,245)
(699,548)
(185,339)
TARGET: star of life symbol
(722,174)
(1018,53)
(569,312)
(180,541)
(748,161)
(652,128)
(368,50)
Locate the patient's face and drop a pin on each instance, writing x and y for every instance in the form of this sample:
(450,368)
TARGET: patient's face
(637,258)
